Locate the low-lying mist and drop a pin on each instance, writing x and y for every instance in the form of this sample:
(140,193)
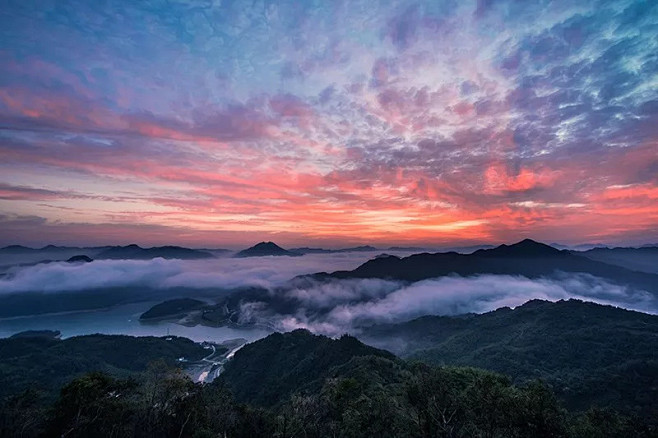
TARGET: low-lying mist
(222,272)
(341,306)
(329,307)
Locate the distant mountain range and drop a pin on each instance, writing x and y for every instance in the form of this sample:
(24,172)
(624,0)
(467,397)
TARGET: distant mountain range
(52,253)
(272,249)
(526,258)
(136,252)
(133,251)
(306,250)
(643,259)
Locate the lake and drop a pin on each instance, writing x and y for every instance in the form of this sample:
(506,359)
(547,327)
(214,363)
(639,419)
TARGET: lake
(121,320)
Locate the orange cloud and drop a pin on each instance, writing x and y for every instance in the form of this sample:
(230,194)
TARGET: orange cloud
(498,180)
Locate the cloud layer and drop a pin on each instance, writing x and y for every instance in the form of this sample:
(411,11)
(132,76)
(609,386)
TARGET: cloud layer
(214,123)
(345,305)
(219,273)
(281,302)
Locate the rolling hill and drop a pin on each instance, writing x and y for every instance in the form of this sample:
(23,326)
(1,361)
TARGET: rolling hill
(591,354)
(526,258)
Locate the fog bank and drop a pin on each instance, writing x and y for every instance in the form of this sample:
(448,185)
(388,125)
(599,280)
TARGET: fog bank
(344,305)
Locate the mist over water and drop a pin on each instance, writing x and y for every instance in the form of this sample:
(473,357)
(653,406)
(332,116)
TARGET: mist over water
(329,307)
(221,272)
(122,320)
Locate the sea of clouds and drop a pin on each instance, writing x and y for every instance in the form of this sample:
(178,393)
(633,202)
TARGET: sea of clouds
(341,306)
(158,273)
(328,307)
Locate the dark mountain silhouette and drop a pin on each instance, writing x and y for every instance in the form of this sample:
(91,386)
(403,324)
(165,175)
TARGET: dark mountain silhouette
(58,248)
(524,248)
(166,252)
(307,250)
(80,258)
(265,249)
(215,250)
(362,248)
(269,370)
(575,346)
(13,249)
(406,248)
(468,249)
(643,259)
(526,258)
(48,249)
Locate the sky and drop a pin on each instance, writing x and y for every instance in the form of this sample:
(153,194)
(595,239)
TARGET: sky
(213,123)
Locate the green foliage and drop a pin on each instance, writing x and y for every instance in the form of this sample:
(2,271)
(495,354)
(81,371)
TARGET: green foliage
(47,364)
(164,404)
(327,388)
(606,423)
(295,361)
(21,415)
(93,405)
(591,355)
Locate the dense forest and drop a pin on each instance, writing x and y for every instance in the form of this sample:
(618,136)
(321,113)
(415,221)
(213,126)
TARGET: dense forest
(526,258)
(44,364)
(590,354)
(297,384)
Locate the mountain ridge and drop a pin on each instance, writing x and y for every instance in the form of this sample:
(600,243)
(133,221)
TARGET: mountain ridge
(571,344)
(527,258)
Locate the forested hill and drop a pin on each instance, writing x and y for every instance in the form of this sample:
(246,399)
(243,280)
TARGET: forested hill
(268,371)
(591,354)
(313,387)
(42,363)
(526,258)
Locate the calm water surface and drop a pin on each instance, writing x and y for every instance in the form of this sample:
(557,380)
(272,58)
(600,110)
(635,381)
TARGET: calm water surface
(122,320)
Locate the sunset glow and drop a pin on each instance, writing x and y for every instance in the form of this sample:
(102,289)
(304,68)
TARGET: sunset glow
(222,123)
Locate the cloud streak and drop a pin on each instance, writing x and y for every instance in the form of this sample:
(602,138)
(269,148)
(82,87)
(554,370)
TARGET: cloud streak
(219,273)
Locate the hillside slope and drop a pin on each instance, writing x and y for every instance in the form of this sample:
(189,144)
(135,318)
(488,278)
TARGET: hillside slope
(268,371)
(591,354)
(526,258)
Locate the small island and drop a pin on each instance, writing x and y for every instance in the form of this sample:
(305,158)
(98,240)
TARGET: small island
(172,309)
(42,334)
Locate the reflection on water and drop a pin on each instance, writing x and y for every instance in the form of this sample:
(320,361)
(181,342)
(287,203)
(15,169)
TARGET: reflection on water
(123,320)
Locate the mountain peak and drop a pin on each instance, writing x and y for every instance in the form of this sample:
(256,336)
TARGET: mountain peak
(267,245)
(524,248)
(265,249)
(534,246)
